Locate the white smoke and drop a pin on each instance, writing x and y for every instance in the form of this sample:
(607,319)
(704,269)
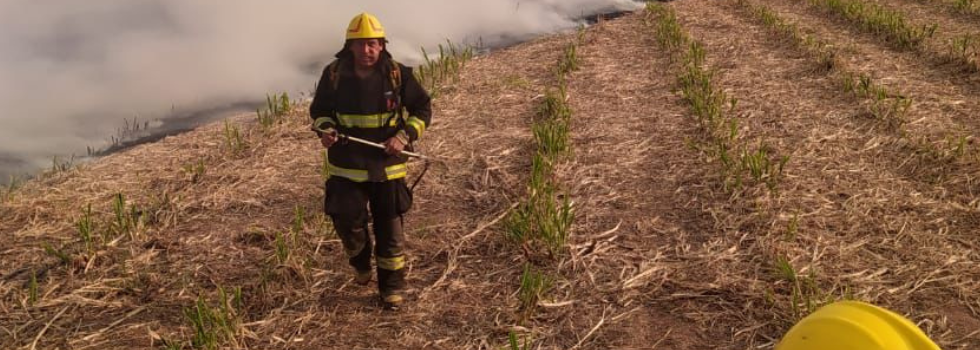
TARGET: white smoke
(72,71)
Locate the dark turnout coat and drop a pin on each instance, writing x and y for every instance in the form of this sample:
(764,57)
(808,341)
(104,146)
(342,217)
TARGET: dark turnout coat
(386,104)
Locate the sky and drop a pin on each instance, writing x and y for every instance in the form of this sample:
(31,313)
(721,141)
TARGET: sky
(72,71)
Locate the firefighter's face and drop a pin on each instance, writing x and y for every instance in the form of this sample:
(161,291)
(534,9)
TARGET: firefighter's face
(366,51)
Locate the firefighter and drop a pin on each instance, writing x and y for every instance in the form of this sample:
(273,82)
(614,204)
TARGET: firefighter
(364,93)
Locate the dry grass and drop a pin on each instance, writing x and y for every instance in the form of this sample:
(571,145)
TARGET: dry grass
(940,39)
(660,255)
(229,210)
(963,8)
(849,224)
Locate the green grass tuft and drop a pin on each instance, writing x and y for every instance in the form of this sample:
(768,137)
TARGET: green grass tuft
(890,25)
(534,285)
(234,140)
(436,72)
(215,326)
(276,106)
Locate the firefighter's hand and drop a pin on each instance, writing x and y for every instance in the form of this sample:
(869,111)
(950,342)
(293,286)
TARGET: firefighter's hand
(394,146)
(328,138)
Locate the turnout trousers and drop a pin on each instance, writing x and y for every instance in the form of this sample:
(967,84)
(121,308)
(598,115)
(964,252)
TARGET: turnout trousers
(347,203)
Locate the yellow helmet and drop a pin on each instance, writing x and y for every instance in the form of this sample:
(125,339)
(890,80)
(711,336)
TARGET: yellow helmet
(365,26)
(852,325)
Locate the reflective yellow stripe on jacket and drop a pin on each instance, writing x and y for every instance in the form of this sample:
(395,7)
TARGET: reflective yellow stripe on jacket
(396,171)
(366,121)
(418,124)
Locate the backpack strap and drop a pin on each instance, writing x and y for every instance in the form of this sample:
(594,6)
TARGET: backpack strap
(333,71)
(395,76)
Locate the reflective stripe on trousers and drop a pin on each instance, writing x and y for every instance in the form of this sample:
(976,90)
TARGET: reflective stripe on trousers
(391,264)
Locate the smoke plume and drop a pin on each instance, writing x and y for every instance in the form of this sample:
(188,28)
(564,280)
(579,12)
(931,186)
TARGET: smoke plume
(73,71)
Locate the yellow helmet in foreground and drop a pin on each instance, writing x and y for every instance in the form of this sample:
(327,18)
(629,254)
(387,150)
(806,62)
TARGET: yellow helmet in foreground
(852,325)
(365,26)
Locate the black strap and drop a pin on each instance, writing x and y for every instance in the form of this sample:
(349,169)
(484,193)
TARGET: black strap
(394,78)
(425,168)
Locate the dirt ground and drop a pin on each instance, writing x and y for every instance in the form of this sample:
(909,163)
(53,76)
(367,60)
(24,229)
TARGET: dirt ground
(661,255)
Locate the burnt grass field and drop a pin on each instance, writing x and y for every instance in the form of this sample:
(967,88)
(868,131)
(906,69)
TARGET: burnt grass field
(695,175)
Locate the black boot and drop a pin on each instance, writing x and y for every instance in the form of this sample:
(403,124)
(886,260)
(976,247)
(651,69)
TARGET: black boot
(391,283)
